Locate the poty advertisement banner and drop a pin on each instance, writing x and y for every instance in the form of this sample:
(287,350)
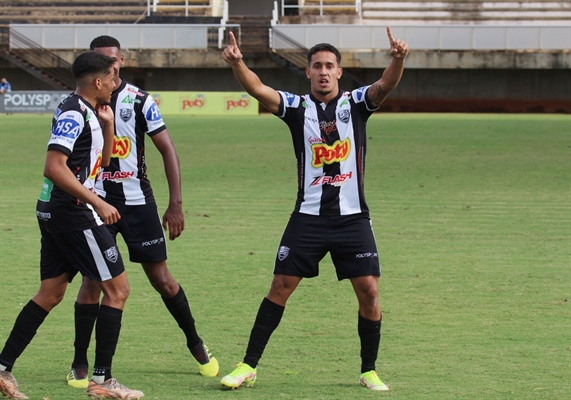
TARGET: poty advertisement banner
(170,103)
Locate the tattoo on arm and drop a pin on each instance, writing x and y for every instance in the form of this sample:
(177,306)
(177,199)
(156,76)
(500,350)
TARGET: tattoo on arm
(376,94)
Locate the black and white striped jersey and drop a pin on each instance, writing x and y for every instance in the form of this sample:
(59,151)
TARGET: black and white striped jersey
(330,146)
(136,115)
(77,133)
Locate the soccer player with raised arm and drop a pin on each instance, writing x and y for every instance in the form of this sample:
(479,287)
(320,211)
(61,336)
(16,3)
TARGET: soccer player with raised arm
(330,214)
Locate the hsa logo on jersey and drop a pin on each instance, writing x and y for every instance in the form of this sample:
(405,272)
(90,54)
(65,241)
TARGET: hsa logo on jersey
(67,127)
(121,147)
(325,154)
(154,114)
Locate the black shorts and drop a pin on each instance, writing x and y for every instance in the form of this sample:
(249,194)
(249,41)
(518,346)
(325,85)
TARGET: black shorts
(308,238)
(92,252)
(142,231)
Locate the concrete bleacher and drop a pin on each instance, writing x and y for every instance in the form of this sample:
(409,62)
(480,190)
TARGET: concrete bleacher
(72,11)
(466,12)
(178,8)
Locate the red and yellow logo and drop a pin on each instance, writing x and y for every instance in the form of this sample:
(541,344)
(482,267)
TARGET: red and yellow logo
(121,147)
(95,171)
(325,154)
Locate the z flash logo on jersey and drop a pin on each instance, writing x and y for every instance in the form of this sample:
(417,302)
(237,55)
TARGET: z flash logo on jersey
(325,154)
(121,147)
(67,127)
(337,180)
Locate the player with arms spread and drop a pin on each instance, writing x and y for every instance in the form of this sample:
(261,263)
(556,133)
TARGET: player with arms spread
(72,221)
(330,215)
(124,185)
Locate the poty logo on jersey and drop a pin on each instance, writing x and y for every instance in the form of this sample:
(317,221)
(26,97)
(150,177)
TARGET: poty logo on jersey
(243,102)
(325,154)
(95,171)
(121,147)
(336,180)
(67,127)
(154,114)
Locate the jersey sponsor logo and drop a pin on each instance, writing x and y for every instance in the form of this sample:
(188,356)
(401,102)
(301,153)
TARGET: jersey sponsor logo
(283,252)
(134,91)
(198,102)
(244,102)
(328,127)
(129,100)
(46,192)
(44,216)
(154,114)
(337,180)
(116,176)
(313,140)
(67,127)
(95,171)
(344,115)
(121,147)
(360,92)
(112,254)
(325,154)
(290,98)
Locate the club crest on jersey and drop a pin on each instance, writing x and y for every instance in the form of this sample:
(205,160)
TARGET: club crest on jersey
(283,252)
(344,115)
(126,114)
(325,154)
(112,254)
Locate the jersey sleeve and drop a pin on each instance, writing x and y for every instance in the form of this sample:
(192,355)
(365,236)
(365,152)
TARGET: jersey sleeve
(65,131)
(359,96)
(153,117)
(288,103)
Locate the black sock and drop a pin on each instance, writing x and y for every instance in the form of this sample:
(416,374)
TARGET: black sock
(267,320)
(180,310)
(85,316)
(370,335)
(25,327)
(107,331)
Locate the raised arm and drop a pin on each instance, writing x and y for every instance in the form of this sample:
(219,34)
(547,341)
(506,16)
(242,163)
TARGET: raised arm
(248,79)
(379,90)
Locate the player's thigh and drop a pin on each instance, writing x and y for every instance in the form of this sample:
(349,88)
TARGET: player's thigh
(354,248)
(302,246)
(143,233)
(92,252)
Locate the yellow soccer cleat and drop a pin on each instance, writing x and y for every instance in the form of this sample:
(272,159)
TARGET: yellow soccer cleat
(371,381)
(74,380)
(243,375)
(211,368)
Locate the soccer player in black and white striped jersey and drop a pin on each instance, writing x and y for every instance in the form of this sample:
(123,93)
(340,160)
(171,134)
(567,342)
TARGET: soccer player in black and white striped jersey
(124,184)
(331,214)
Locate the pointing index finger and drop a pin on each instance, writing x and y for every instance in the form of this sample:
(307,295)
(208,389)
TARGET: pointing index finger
(232,39)
(390,35)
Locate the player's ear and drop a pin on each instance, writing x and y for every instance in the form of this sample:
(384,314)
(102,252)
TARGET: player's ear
(307,72)
(339,72)
(97,82)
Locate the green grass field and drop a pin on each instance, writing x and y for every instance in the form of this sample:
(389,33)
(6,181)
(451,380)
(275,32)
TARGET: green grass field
(472,215)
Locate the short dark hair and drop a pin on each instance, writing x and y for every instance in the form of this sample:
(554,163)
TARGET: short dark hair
(89,63)
(104,41)
(323,47)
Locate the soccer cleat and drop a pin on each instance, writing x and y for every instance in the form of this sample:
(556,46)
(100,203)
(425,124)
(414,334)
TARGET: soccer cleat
(371,381)
(211,368)
(74,380)
(242,375)
(9,386)
(111,389)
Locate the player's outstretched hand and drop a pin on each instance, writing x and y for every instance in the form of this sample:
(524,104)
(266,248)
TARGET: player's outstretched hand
(231,53)
(399,48)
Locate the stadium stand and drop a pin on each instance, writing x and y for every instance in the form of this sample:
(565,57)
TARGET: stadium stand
(178,8)
(466,12)
(72,11)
